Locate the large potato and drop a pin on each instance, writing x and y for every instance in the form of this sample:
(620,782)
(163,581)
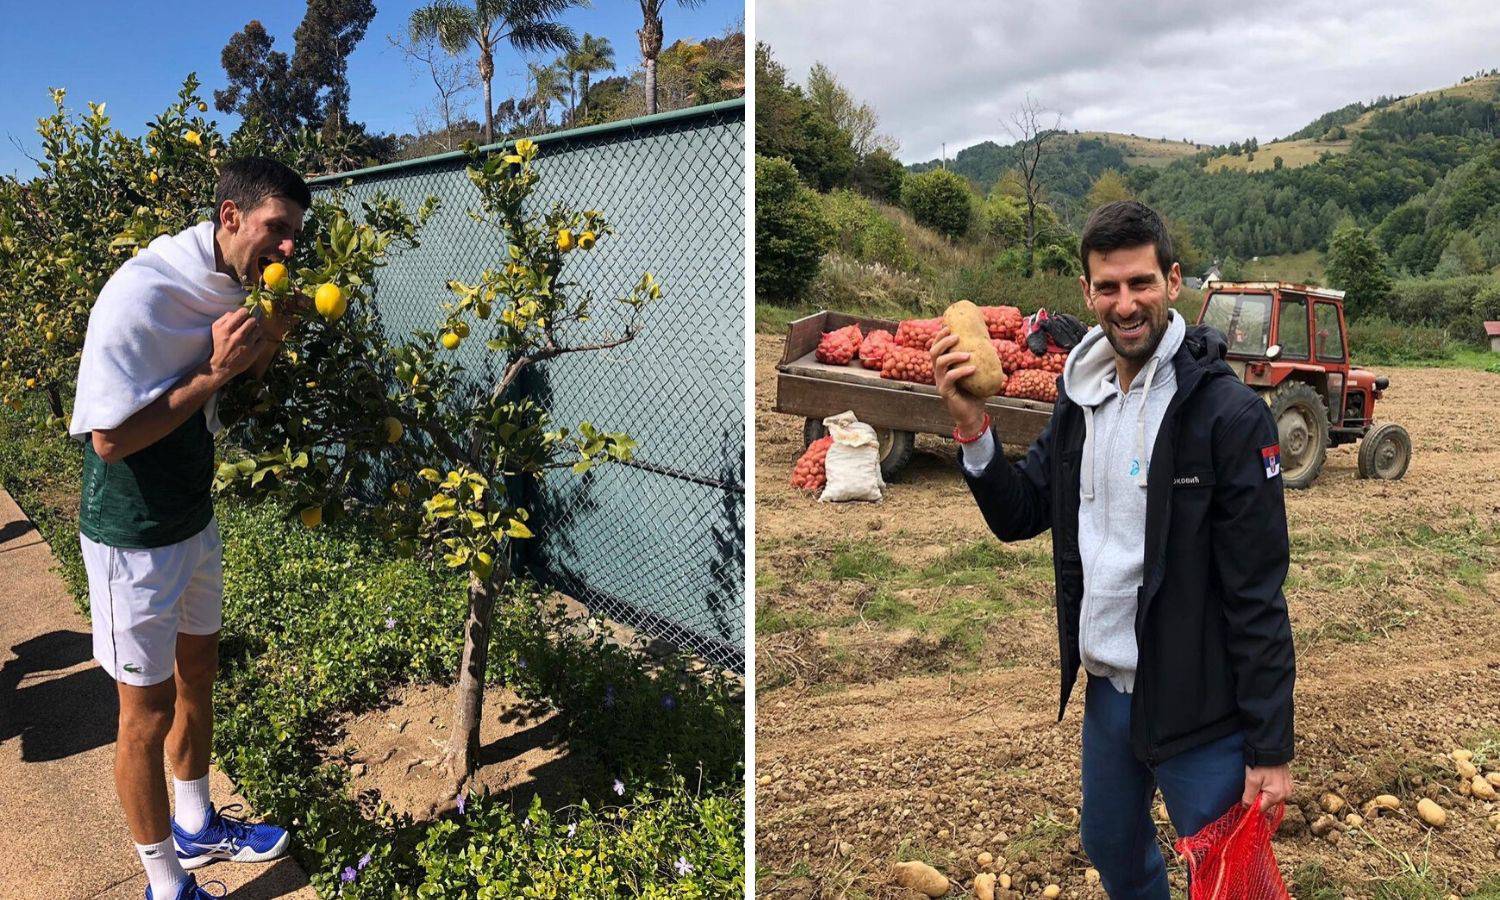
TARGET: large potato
(965,320)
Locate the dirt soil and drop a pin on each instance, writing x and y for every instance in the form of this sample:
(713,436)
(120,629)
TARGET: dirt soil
(907,671)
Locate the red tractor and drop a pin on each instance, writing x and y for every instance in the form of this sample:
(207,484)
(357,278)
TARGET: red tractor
(1288,342)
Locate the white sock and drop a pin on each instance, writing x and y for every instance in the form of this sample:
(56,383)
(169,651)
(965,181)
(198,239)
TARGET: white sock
(193,805)
(162,869)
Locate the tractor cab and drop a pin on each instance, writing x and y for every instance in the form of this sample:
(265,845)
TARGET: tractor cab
(1289,342)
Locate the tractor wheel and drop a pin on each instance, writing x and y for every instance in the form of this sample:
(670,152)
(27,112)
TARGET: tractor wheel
(895,446)
(1302,430)
(1385,452)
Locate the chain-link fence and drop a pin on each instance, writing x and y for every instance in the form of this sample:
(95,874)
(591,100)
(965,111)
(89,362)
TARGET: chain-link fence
(657,543)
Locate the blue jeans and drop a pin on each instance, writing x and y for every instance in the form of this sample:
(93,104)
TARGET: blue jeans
(1118,833)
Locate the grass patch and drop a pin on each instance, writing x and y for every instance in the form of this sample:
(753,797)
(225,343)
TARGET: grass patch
(1043,833)
(771,619)
(1310,881)
(861,562)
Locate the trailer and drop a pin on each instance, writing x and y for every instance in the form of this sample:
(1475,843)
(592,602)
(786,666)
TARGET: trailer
(898,410)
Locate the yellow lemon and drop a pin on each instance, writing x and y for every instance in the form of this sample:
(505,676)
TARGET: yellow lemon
(153,177)
(5,366)
(267,306)
(330,302)
(202,107)
(393,429)
(450,340)
(31,382)
(192,137)
(564,240)
(51,336)
(312,517)
(586,240)
(274,276)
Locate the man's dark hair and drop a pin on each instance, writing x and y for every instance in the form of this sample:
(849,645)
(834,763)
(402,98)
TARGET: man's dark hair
(251,180)
(1125,223)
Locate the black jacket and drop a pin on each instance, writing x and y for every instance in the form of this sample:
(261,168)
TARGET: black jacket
(1211,626)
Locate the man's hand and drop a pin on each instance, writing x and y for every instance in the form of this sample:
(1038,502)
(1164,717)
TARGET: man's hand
(948,368)
(1273,781)
(238,341)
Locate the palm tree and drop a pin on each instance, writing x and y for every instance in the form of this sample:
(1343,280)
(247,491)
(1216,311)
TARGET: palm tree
(594,54)
(525,24)
(650,37)
(547,87)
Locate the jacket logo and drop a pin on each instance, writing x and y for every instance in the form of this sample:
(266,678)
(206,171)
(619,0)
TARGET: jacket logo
(1270,457)
(132,668)
(1135,467)
(1187,480)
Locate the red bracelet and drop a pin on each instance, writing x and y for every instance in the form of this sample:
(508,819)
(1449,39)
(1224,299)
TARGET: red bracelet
(985,427)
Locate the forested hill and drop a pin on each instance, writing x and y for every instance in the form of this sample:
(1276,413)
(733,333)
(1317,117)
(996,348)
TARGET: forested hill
(1419,172)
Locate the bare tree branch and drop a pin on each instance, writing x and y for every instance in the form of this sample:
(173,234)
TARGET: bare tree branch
(1025,125)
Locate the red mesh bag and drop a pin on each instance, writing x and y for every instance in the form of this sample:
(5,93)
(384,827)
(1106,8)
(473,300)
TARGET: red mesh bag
(1032,384)
(1231,858)
(810,472)
(918,333)
(838,347)
(907,364)
(1003,322)
(873,348)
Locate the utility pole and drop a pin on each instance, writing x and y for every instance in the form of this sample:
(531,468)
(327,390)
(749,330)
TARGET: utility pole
(945,155)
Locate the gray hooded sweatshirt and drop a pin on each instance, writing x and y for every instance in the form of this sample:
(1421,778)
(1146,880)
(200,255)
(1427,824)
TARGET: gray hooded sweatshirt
(1119,432)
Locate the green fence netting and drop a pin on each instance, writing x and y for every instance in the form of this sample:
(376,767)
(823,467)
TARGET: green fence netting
(657,543)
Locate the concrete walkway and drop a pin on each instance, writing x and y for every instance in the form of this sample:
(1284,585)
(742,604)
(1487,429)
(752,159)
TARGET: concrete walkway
(62,835)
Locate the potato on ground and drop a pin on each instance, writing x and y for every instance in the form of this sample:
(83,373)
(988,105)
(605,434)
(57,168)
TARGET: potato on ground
(918,876)
(966,322)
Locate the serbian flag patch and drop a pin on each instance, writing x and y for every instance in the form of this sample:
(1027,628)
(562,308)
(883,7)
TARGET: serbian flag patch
(1270,457)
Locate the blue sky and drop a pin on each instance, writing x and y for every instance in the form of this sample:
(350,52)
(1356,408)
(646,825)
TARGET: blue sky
(134,56)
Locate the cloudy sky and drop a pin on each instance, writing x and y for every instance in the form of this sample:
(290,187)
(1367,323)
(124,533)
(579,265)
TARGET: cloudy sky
(1210,70)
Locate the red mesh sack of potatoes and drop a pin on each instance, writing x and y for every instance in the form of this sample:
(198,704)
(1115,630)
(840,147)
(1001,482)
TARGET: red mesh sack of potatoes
(873,348)
(1054,362)
(918,333)
(907,364)
(1231,857)
(1003,322)
(1016,357)
(1032,384)
(838,347)
(809,474)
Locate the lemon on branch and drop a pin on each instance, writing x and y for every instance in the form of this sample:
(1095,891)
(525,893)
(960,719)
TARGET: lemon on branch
(330,302)
(192,137)
(586,240)
(564,240)
(450,340)
(274,276)
(393,429)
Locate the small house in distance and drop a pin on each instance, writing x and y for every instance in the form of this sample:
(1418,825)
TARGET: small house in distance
(1492,332)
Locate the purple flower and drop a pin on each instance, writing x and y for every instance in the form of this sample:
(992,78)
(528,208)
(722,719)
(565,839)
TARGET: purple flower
(572,829)
(683,866)
(521,663)
(619,787)
(364,860)
(349,875)
(389,624)
(668,702)
(463,800)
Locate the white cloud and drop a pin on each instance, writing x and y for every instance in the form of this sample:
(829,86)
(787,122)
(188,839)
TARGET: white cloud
(1211,70)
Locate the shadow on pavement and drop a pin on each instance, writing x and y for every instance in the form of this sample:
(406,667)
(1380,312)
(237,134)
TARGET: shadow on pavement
(60,716)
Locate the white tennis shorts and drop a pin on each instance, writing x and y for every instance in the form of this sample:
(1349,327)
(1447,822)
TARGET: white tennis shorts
(142,599)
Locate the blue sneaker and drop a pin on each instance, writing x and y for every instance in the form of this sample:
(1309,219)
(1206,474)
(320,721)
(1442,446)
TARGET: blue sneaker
(190,891)
(225,837)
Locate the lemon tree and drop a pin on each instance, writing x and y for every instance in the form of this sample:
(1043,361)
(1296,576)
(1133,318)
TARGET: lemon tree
(353,406)
(97,197)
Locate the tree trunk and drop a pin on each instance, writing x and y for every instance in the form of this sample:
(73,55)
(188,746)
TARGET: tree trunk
(54,400)
(1030,234)
(650,37)
(583,96)
(462,753)
(487,72)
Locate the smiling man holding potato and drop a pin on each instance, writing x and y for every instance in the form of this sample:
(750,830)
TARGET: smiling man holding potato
(1155,475)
